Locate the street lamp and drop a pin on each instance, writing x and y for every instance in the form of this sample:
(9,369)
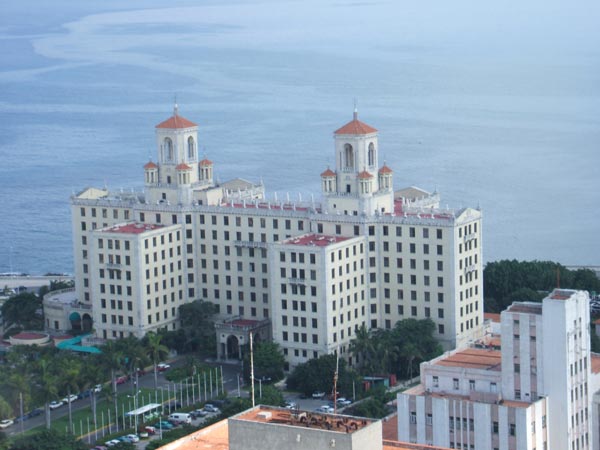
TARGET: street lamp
(135,407)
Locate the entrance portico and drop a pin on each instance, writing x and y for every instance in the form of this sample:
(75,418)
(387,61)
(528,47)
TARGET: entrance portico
(233,334)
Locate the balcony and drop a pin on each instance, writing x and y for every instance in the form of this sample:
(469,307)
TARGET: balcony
(250,244)
(297,281)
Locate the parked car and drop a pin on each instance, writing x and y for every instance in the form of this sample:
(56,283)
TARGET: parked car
(342,401)
(150,430)
(198,413)
(164,425)
(112,442)
(163,366)
(122,379)
(36,412)
(5,423)
(55,404)
(318,394)
(211,408)
(69,398)
(133,438)
(97,388)
(290,405)
(325,409)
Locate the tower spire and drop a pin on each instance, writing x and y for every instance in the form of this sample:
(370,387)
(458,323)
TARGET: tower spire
(175,107)
(355,115)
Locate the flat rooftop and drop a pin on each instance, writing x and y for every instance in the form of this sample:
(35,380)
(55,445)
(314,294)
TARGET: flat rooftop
(525,307)
(304,419)
(318,240)
(132,228)
(561,294)
(474,358)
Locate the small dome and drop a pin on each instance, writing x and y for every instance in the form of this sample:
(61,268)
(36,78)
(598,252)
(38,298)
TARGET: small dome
(150,165)
(385,169)
(328,173)
(183,166)
(364,175)
(205,162)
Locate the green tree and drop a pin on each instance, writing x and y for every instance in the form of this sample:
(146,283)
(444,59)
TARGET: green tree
(363,349)
(113,360)
(316,375)
(48,440)
(198,325)
(268,361)
(55,285)
(24,311)
(156,351)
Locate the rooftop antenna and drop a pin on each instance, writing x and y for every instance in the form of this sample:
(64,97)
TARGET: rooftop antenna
(335,379)
(252,370)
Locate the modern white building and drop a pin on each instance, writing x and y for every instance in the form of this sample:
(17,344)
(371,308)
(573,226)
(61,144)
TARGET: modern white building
(389,255)
(534,393)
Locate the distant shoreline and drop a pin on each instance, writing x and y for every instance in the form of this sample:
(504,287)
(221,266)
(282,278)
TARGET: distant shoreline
(30,281)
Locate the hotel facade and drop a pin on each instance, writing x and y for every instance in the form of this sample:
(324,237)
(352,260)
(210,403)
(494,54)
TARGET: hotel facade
(364,254)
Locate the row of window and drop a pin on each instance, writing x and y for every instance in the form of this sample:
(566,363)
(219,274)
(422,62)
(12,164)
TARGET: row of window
(104,213)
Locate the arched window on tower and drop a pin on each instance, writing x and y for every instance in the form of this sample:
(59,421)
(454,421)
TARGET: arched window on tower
(348,156)
(371,155)
(191,148)
(168,146)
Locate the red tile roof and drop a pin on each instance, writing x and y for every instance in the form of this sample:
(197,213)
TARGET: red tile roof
(175,122)
(355,126)
(385,169)
(182,166)
(364,175)
(150,165)
(328,173)
(494,317)
(205,162)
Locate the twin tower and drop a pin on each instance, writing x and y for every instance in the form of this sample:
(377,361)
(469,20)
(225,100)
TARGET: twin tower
(358,186)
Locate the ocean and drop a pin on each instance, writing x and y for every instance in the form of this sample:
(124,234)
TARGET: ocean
(492,104)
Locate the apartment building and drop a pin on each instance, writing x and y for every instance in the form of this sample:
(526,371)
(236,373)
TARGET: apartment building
(417,260)
(536,392)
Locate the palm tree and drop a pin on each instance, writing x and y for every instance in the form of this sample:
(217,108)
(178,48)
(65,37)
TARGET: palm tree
(156,352)
(47,385)
(362,348)
(113,359)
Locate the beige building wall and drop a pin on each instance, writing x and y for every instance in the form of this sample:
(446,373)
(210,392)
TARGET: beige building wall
(419,261)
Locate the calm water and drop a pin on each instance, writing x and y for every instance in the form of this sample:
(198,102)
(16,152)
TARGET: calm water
(492,105)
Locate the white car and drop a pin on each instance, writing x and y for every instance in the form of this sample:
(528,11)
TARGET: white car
(54,404)
(325,409)
(343,401)
(112,442)
(97,388)
(163,366)
(69,398)
(133,438)
(6,423)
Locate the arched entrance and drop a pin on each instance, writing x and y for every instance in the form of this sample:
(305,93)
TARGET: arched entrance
(75,320)
(87,322)
(233,347)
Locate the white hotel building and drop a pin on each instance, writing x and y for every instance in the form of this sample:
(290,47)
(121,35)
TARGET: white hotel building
(536,392)
(304,273)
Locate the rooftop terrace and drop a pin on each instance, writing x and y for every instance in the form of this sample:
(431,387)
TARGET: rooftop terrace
(318,240)
(132,228)
(304,419)
(473,358)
